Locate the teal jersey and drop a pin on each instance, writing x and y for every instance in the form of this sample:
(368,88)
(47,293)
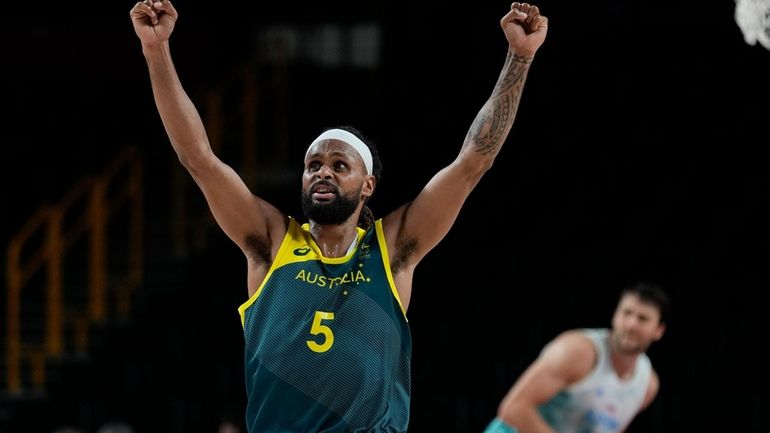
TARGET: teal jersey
(327,343)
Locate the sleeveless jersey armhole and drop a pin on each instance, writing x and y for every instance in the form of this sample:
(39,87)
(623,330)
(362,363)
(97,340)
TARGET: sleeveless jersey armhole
(597,338)
(290,233)
(386,262)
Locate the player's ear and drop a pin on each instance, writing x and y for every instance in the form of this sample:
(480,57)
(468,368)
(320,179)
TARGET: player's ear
(368,187)
(660,331)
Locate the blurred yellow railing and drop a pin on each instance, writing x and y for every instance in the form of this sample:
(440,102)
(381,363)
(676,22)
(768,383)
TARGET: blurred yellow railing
(229,110)
(100,198)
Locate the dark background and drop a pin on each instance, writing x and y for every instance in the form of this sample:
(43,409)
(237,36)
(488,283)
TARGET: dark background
(640,151)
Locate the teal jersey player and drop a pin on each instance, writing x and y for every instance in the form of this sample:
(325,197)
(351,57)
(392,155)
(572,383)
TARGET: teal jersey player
(591,380)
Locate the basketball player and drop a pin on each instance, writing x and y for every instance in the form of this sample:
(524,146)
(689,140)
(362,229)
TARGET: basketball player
(327,341)
(590,380)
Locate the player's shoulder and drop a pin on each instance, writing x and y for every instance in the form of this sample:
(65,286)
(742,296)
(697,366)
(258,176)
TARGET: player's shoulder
(575,339)
(572,344)
(572,353)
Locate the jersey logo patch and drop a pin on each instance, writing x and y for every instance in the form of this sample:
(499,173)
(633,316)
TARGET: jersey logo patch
(301,251)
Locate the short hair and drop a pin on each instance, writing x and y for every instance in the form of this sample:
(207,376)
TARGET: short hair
(650,293)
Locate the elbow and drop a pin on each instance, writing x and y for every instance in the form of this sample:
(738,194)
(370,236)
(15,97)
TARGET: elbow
(485,165)
(511,412)
(476,175)
(476,169)
(187,161)
(195,161)
(476,163)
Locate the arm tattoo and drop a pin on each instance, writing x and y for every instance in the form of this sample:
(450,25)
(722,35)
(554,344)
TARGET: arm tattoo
(496,117)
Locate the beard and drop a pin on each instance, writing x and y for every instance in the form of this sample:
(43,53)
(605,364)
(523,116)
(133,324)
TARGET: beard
(629,348)
(333,212)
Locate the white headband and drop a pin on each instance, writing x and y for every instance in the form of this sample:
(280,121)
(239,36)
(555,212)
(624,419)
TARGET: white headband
(349,138)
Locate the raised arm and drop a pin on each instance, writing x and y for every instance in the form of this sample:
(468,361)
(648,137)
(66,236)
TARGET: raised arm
(417,227)
(250,222)
(565,360)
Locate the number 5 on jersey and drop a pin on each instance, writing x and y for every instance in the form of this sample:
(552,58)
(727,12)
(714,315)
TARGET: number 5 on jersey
(317,328)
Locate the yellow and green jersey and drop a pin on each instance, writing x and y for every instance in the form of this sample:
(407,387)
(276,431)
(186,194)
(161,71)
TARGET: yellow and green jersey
(328,346)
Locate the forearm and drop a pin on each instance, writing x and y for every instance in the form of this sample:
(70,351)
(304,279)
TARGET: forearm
(525,420)
(492,124)
(180,117)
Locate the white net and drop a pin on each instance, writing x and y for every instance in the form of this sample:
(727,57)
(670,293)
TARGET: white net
(753,18)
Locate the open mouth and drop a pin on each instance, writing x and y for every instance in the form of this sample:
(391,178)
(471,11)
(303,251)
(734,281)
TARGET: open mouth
(323,192)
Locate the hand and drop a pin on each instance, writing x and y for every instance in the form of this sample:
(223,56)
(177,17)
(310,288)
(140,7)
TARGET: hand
(524,28)
(153,21)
